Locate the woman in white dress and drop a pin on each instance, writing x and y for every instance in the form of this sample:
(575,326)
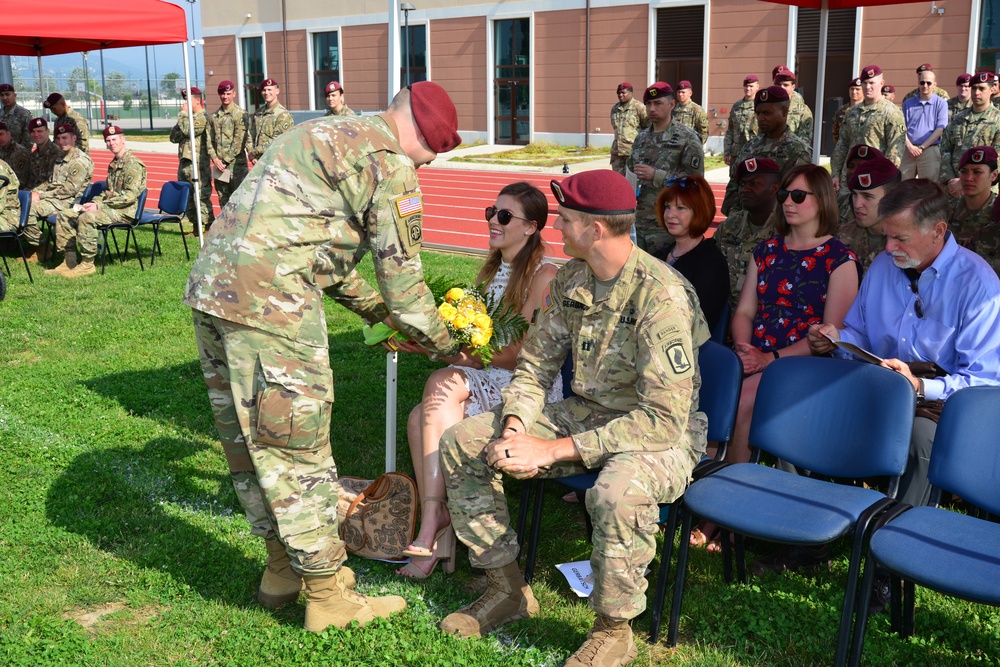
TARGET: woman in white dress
(517,271)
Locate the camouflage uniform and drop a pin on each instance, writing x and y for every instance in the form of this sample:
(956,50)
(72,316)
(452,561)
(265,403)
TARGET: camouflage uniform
(70,176)
(126,181)
(17,119)
(80,123)
(10,206)
(627,119)
(736,237)
(742,128)
(800,118)
(865,243)
(634,418)
(676,151)
(956,106)
(344,111)
(968,129)
(19,160)
(265,126)
(976,230)
(692,115)
(880,125)
(227,138)
(788,151)
(179,134)
(940,92)
(838,121)
(293,233)
(43,160)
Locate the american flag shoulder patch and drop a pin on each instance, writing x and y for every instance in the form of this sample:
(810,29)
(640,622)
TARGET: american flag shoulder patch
(409,205)
(546,300)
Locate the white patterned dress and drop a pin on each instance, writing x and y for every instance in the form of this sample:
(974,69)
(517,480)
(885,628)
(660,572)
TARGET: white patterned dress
(484,384)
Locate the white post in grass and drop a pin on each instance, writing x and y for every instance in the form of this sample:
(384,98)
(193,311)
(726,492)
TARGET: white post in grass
(391,363)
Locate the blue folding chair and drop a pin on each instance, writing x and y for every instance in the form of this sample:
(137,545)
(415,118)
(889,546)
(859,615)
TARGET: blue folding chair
(173,208)
(24,199)
(919,545)
(49,224)
(839,419)
(721,329)
(129,228)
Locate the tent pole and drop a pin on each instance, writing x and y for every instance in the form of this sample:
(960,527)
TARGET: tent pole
(196,180)
(824,25)
(41,79)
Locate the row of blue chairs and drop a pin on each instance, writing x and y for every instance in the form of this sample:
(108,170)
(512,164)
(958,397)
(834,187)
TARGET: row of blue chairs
(172,208)
(840,420)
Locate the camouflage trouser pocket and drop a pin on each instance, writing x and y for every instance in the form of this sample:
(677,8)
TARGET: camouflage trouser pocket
(294,404)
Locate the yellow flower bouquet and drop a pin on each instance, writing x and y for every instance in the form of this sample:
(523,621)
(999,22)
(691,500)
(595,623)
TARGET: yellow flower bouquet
(480,322)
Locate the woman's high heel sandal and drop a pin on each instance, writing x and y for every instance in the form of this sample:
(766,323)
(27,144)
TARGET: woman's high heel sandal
(443,551)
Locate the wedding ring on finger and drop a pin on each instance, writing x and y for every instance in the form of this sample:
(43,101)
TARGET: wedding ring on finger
(507,452)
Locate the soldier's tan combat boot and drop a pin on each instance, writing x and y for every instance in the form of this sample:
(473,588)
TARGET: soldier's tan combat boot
(69,262)
(331,602)
(609,644)
(507,598)
(280,583)
(84,268)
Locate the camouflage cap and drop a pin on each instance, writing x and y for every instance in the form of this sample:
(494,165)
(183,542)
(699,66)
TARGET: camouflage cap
(782,73)
(979,155)
(435,115)
(757,165)
(873,174)
(870,72)
(112,130)
(963,79)
(37,122)
(770,95)
(863,152)
(598,192)
(658,89)
(54,98)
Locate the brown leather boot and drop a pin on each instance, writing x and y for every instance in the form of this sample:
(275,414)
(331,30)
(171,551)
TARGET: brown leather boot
(609,644)
(507,598)
(69,262)
(84,268)
(331,602)
(34,254)
(280,583)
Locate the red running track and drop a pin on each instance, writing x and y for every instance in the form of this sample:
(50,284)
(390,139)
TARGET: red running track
(454,199)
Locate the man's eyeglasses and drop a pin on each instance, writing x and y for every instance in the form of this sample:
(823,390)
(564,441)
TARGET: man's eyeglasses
(913,276)
(926,83)
(682,181)
(798,196)
(503,215)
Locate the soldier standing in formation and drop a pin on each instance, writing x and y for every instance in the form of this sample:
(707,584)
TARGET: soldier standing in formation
(940,92)
(227,139)
(854,98)
(742,124)
(201,191)
(335,105)
(14,116)
(889,93)
(16,157)
(690,113)
(291,233)
(963,98)
(662,151)
(876,122)
(979,125)
(43,158)
(634,327)
(268,122)
(70,175)
(67,115)
(126,181)
(800,116)
(628,117)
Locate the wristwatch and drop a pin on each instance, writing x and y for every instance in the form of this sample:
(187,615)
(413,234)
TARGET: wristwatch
(920,389)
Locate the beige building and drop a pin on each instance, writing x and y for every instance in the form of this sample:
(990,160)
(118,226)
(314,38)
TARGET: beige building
(546,70)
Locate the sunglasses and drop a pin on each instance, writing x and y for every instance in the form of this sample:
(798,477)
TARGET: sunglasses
(918,307)
(926,83)
(682,181)
(798,196)
(503,215)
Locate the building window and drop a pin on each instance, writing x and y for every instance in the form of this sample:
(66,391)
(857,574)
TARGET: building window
(680,33)
(326,62)
(253,69)
(414,50)
(989,37)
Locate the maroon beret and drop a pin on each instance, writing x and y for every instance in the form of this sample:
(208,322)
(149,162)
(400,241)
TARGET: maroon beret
(267,82)
(979,155)
(63,128)
(757,165)
(194,91)
(54,98)
(888,89)
(750,78)
(6,88)
(855,82)
(984,77)
(37,122)
(863,152)
(3,126)
(226,86)
(770,95)
(435,115)
(926,67)
(870,72)
(963,79)
(873,174)
(782,73)
(333,86)
(112,129)
(684,84)
(658,89)
(598,192)
(624,85)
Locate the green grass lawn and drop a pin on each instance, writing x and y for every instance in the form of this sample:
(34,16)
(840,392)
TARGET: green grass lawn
(122,543)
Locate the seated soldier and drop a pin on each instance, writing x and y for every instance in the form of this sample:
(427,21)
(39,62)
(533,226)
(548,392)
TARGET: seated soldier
(126,181)
(70,176)
(972,220)
(10,207)
(634,327)
(858,154)
(15,156)
(43,155)
(870,182)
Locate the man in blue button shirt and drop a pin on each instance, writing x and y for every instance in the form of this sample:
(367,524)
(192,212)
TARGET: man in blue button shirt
(926,117)
(926,299)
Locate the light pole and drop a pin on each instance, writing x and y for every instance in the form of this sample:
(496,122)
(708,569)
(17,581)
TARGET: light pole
(193,38)
(407,8)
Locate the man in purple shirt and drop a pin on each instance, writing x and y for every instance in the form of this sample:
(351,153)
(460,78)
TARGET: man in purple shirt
(926,117)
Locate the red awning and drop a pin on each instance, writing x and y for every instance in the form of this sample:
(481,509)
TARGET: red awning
(839,4)
(28,29)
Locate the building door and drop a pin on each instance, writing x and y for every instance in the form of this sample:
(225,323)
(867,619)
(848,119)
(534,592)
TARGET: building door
(839,65)
(680,52)
(512,82)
